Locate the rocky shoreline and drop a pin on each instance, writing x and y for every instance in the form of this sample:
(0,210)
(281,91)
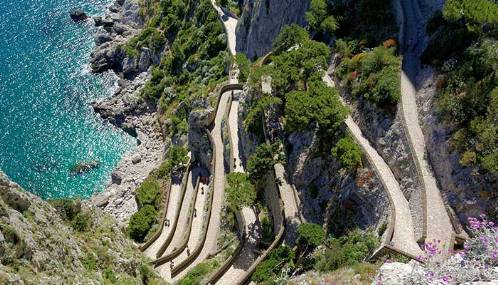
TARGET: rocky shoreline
(125,109)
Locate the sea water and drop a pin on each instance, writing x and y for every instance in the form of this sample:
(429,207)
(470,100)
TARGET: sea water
(46,124)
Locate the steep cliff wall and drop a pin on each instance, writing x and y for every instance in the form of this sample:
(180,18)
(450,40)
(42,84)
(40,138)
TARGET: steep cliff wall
(63,244)
(262,20)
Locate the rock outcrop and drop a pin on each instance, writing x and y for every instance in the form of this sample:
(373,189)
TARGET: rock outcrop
(39,245)
(126,109)
(78,15)
(262,20)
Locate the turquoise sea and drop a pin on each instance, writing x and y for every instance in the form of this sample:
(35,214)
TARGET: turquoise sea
(46,124)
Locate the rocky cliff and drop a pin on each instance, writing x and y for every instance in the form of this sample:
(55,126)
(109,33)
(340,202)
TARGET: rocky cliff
(262,20)
(63,243)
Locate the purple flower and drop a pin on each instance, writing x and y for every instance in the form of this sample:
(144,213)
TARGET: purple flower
(446,279)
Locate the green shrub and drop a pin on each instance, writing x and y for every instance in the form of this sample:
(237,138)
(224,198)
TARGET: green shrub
(177,160)
(271,266)
(240,192)
(82,222)
(310,235)
(149,193)
(141,222)
(244,65)
(67,208)
(90,261)
(319,105)
(288,37)
(346,250)
(348,153)
(263,160)
(199,272)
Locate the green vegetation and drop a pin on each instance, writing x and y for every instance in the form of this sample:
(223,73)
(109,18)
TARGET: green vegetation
(319,105)
(263,160)
(71,211)
(148,37)
(141,222)
(318,18)
(467,95)
(148,193)
(348,153)
(254,118)
(244,65)
(240,191)
(350,250)
(369,22)
(148,196)
(310,235)
(199,272)
(374,75)
(194,63)
(175,163)
(268,270)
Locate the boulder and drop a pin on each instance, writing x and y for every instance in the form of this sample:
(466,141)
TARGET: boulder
(97,21)
(102,38)
(78,15)
(145,60)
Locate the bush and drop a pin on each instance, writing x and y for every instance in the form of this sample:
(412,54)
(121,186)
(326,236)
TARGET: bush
(320,105)
(199,272)
(82,222)
(348,153)
(176,162)
(346,250)
(310,235)
(243,64)
(141,222)
(149,193)
(67,208)
(263,160)
(240,192)
(271,266)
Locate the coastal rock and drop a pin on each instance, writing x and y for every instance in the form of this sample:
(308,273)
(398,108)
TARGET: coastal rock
(136,159)
(106,56)
(78,15)
(97,21)
(102,38)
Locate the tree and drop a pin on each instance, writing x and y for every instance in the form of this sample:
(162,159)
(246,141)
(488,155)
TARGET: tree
(263,160)
(318,18)
(288,37)
(310,235)
(348,153)
(141,222)
(149,193)
(240,192)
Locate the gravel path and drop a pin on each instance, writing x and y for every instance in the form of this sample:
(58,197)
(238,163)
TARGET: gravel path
(438,225)
(230,27)
(173,204)
(403,236)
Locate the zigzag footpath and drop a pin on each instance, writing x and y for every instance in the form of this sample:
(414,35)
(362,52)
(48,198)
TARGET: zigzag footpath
(183,226)
(438,226)
(400,234)
(235,268)
(209,245)
(172,205)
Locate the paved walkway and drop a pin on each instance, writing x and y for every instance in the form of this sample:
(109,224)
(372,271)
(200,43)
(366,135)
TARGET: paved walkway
(233,123)
(291,206)
(403,235)
(230,27)
(173,204)
(438,224)
(210,246)
(248,254)
(183,219)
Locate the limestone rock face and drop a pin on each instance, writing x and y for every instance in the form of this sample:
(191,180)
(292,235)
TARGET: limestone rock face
(38,245)
(262,20)
(198,140)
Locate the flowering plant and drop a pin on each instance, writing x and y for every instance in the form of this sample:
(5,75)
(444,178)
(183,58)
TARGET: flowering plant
(477,262)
